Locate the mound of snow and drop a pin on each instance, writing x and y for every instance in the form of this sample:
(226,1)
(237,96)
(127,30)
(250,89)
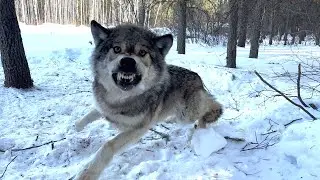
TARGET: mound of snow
(300,145)
(207,141)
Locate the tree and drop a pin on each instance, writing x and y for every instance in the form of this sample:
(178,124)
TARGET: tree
(255,35)
(182,25)
(243,22)
(232,36)
(13,58)
(141,13)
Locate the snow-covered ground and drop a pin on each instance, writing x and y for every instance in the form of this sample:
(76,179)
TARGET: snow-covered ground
(58,57)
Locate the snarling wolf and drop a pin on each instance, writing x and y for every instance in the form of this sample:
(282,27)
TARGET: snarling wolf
(134,89)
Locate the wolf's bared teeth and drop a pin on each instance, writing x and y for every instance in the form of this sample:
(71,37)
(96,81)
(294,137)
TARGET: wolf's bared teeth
(126,77)
(131,78)
(119,76)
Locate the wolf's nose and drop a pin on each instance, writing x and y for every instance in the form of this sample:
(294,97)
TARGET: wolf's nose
(127,64)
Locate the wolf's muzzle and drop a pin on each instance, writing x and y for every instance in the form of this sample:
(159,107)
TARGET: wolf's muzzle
(127,75)
(127,65)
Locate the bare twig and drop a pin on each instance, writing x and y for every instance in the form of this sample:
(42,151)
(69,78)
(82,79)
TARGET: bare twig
(286,125)
(235,139)
(298,86)
(32,147)
(298,105)
(163,135)
(7,167)
(264,144)
(164,126)
(269,132)
(247,174)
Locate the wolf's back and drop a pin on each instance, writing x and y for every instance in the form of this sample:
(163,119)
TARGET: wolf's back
(183,79)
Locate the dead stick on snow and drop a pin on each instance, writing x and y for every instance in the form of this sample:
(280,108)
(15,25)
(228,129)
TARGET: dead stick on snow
(286,125)
(298,105)
(298,87)
(7,167)
(34,146)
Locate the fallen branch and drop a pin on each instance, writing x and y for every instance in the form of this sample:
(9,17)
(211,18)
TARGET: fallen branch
(269,132)
(298,105)
(286,125)
(163,135)
(264,144)
(245,173)
(234,139)
(164,126)
(7,167)
(298,86)
(32,147)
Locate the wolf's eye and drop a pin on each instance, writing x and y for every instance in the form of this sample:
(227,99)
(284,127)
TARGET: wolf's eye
(142,52)
(117,49)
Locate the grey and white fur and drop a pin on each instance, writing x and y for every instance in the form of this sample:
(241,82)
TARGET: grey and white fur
(134,89)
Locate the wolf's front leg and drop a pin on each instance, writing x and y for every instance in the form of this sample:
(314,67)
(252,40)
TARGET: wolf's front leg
(88,118)
(104,155)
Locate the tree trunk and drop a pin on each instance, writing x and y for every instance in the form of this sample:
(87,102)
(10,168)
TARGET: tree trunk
(302,36)
(182,25)
(232,36)
(317,39)
(293,40)
(286,30)
(285,38)
(255,35)
(271,28)
(13,58)
(243,23)
(141,13)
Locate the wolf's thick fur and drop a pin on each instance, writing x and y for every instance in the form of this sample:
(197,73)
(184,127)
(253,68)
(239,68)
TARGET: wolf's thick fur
(134,89)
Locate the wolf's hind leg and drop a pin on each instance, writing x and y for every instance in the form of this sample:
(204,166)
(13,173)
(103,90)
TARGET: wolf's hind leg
(88,118)
(211,111)
(202,106)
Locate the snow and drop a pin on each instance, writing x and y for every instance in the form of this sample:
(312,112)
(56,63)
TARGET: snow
(207,141)
(58,56)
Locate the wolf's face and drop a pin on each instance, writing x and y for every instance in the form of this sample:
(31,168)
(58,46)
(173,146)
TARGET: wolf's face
(128,56)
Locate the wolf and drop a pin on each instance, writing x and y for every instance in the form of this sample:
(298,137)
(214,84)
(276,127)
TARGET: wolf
(134,89)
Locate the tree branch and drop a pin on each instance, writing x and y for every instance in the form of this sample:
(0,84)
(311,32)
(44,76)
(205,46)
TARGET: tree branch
(286,125)
(7,167)
(32,147)
(298,86)
(163,135)
(298,105)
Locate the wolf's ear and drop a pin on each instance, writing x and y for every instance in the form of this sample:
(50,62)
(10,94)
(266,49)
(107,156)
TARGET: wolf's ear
(164,43)
(99,33)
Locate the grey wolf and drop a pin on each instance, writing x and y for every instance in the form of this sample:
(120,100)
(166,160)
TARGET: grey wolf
(134,89)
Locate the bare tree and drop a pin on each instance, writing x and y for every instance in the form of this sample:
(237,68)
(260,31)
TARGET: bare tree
(13,58)
(207,20)
(232,37)
(243,22)
(181,39)
(141,12)
(255,34)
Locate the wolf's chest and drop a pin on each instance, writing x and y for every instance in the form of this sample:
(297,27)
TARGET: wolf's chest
(123,120)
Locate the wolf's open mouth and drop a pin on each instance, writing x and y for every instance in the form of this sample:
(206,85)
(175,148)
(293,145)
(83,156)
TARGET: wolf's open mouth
(126,80)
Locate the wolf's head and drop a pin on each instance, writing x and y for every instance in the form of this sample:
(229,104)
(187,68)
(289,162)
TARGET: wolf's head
(128,57)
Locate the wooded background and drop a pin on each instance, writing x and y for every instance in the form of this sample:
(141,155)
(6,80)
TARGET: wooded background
(206,20)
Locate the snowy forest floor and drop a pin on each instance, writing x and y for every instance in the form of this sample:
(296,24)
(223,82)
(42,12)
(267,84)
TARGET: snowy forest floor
(58,58)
